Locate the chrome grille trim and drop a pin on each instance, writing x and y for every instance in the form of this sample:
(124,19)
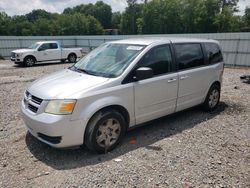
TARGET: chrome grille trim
(32,102)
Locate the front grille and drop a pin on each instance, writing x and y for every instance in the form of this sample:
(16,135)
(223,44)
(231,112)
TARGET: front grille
(32,108)
(36,100)
(13,55)
(32,102)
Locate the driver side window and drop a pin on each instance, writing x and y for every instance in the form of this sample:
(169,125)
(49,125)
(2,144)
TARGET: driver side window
(45,46)
(159,59)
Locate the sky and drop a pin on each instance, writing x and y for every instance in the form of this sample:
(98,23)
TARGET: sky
(18,7)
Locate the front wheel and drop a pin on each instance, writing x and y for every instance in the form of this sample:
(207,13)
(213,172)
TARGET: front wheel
(29,61)
(212,99)
(105,131)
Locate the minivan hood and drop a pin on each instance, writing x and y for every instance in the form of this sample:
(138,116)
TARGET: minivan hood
(63,84)
(23,50)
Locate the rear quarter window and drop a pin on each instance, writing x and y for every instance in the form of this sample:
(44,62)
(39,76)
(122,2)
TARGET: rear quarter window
(213,53)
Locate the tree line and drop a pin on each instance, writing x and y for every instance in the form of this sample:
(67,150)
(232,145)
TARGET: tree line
(139,17)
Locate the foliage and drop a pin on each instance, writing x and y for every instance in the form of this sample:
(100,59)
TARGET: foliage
(246,20)
(129,17)
(116,20)
(101,11)
(139,17)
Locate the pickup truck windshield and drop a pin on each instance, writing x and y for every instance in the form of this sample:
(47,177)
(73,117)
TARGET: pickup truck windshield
(33,46)
(108,60)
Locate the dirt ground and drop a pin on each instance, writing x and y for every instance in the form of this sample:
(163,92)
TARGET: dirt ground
(187,149)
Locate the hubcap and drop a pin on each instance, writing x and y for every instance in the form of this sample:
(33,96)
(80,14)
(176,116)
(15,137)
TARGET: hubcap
(108,133)
(213,98)
(30,62)
(72,58)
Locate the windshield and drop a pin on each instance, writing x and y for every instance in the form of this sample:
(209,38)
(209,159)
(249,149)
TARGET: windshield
(33,46)
(108,60)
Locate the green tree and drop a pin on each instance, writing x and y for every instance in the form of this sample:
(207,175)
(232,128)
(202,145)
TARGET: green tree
(129,17)
(38,14)
(116,20)
(94,26)
(247,17)
(227,21)
(100,10)
(139,17)
(211,10)
(79,24)
(4,23)
(161,16)
(42,27)
(103,13)
(229,3)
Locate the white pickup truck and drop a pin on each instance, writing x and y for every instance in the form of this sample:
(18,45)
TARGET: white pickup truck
(45,51)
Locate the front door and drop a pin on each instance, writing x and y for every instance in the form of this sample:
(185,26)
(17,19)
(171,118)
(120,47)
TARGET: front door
(42,54)
(48,52)
(156,96)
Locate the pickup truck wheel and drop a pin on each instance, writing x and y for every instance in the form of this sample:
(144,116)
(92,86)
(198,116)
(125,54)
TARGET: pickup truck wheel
(212,99)
(105,131)
(29,61)
(72,58)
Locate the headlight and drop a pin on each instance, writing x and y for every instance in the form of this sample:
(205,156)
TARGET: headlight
(60,107)
(19,55)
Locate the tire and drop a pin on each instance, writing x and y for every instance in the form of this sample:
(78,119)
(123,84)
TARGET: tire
(212,98)
(105,131)
(72,58)
(29,61)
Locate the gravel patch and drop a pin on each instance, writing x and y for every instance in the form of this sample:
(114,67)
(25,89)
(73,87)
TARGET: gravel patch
(187,149)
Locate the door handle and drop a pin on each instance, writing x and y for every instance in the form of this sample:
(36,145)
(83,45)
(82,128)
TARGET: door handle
(184,77)
(171,80)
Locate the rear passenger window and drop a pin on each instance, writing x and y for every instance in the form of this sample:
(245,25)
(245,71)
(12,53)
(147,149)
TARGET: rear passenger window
(159,59)
(189,55)
(53,46)
(213,53)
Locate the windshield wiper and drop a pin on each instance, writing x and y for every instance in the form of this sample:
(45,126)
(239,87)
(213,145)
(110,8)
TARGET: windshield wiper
(74,68)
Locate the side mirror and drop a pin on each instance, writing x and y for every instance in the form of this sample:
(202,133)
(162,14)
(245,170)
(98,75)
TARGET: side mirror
(143,73)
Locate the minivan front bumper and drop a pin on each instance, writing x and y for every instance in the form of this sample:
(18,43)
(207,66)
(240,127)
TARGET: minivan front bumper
(58,131)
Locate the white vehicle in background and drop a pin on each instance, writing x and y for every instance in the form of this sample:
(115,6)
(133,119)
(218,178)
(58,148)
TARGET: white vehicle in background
(45,51)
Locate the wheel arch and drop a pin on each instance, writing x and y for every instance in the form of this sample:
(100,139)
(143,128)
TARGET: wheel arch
(72,53)
(216,83)
(119,108)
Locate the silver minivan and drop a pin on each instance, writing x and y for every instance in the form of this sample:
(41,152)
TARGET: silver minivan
(119,85)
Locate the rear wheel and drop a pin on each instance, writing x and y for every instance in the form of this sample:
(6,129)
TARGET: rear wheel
(213,98)
(105,131)
(72,58)
(29,61)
